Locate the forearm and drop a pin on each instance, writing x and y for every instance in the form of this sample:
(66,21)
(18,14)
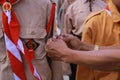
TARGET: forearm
(109,47)
(90,47)
(78,45)
(103,59)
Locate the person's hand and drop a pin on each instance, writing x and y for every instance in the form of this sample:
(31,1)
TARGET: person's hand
(56,48)
(74,43)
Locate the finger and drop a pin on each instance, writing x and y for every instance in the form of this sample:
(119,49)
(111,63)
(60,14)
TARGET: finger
(48,43)
(55,36)
(49,40)
(50,52)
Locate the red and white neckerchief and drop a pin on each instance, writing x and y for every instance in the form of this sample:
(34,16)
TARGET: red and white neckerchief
(14,45)
(108,11)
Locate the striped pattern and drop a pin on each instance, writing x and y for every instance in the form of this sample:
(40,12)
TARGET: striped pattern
(15,47)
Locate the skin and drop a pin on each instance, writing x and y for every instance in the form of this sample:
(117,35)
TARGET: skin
(107,58)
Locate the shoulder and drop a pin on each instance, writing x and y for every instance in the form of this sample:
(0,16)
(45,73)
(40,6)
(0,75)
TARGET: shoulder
(94,20)
(95,16)
(73,7)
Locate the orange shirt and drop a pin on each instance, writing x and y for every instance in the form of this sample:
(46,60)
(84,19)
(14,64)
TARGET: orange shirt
(103,28)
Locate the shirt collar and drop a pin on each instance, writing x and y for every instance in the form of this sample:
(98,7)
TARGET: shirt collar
(114,11)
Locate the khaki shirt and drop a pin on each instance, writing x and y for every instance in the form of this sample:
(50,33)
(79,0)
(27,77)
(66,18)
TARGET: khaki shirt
(103,28)
(77,13)
(62,12)
(33,16)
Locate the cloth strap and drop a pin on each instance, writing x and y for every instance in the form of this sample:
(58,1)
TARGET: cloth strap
(14,45)
(51,20)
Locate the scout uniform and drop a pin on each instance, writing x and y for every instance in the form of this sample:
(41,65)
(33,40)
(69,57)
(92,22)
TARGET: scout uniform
(102,28)
(33,16)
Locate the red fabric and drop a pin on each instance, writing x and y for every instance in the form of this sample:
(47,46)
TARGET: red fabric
(11,1)
(107,7)
(17,69)
(12,30)
(5,24)
(51,18)
(28,59)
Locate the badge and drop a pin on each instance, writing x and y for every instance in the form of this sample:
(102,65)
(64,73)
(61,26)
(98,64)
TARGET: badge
(31,44)
(7,6)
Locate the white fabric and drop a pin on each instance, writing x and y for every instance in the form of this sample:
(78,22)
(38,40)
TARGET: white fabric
(16,77)
(8,14)
(108,12)
(12,48)
(20,46)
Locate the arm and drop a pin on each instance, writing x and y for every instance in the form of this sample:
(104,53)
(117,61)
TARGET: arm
(108,58)
(74,43)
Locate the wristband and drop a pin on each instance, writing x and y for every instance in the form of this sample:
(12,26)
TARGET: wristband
(96,47)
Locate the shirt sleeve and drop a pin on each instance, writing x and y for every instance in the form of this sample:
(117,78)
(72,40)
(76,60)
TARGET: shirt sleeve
(68,21)
(90,31)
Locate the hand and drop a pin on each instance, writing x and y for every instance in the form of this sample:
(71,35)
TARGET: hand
(56,48)
(74,43)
